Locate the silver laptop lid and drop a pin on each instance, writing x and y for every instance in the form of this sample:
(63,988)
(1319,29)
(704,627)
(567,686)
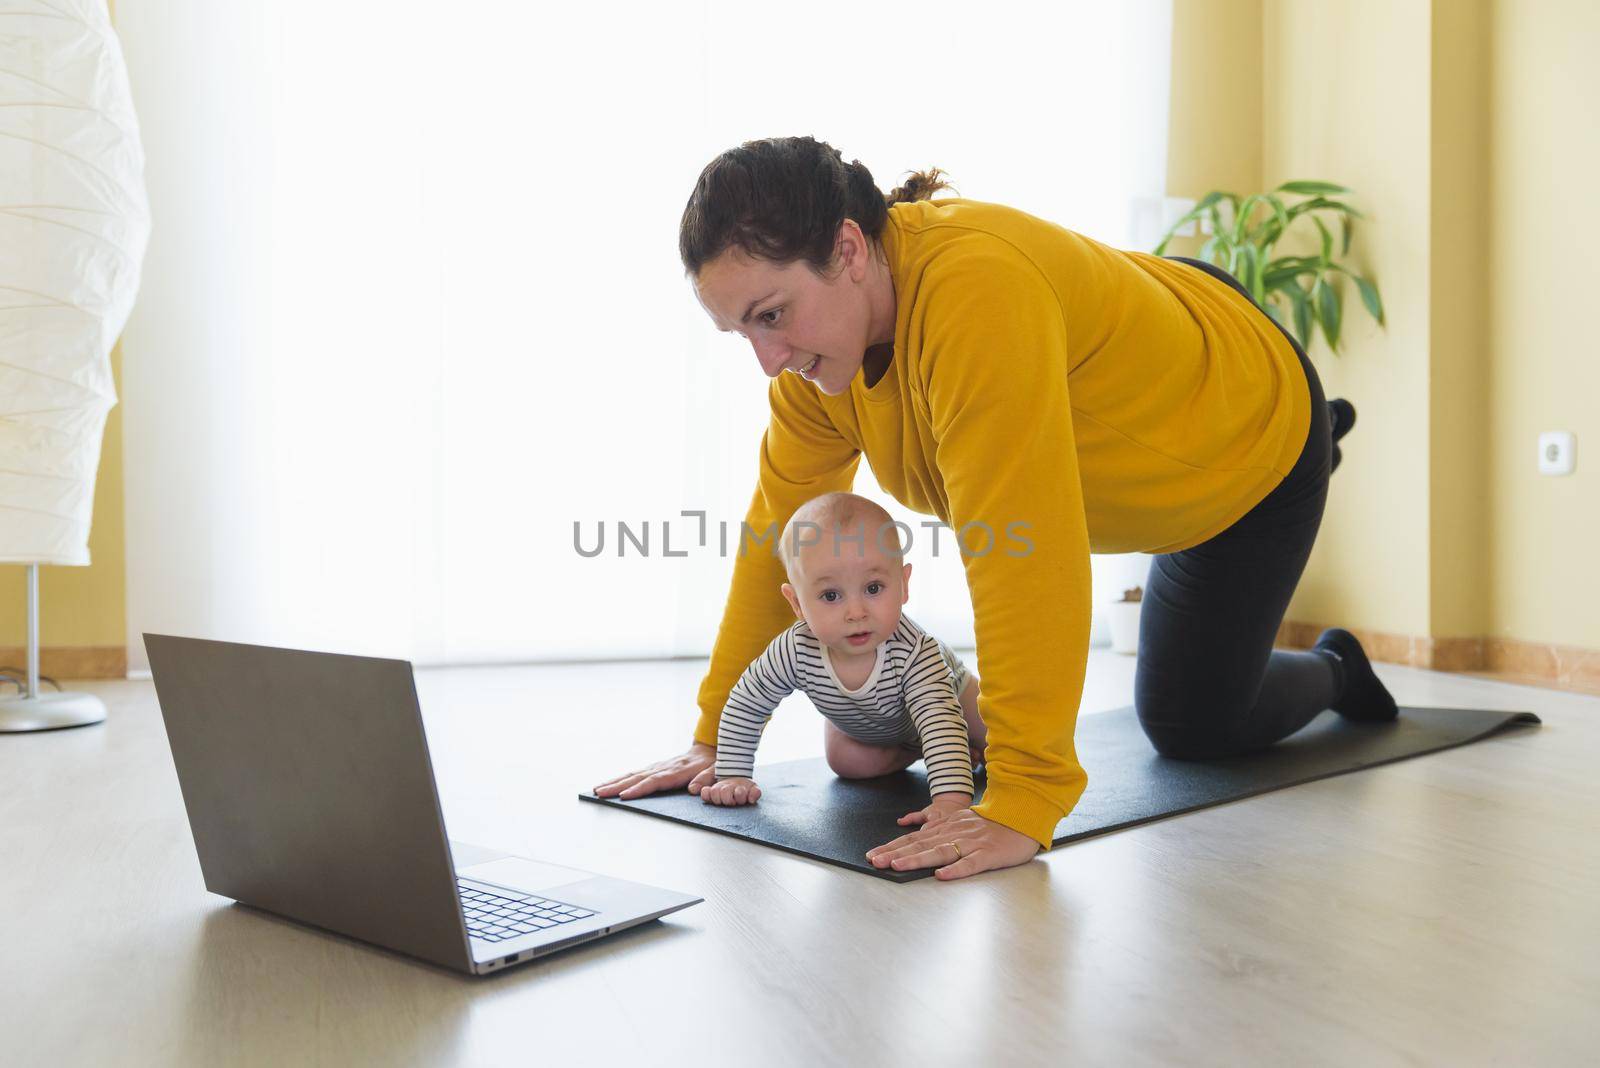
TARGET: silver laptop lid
(309,789)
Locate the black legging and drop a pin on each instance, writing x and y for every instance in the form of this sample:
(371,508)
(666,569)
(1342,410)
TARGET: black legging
(1208,682)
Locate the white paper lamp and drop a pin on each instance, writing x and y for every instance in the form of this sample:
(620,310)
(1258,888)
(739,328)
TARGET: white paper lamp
(73,225)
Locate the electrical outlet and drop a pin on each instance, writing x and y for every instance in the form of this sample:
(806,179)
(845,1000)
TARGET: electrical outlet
(1557,452)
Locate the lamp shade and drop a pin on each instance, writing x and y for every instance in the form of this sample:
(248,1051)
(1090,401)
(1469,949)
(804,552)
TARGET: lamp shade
(73,225)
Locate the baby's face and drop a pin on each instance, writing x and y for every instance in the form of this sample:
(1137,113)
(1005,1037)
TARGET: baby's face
(849,596)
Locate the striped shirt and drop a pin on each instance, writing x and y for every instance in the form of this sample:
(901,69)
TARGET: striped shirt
(911,698)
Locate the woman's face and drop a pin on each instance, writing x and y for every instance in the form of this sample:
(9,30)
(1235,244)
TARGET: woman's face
(795,320)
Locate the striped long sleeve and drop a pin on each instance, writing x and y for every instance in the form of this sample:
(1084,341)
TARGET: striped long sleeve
(910,696)
(930,697)
(751,702)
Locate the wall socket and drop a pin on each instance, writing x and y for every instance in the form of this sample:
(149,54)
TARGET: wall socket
(1558,452)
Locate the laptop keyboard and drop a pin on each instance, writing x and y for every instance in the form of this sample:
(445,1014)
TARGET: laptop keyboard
(496,915)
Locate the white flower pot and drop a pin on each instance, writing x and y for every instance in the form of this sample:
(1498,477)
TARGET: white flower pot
(1123,619)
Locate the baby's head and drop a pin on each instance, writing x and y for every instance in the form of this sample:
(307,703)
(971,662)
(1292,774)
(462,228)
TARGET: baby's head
(847,575)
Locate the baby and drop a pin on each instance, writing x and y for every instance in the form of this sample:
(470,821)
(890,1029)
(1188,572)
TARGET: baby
(888,691)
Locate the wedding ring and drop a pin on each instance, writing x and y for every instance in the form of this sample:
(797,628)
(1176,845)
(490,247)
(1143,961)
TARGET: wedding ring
(957,849)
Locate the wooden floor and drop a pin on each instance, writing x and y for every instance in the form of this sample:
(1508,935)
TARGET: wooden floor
(1443,910)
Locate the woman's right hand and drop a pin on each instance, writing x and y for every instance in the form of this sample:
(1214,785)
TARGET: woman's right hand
(696,767)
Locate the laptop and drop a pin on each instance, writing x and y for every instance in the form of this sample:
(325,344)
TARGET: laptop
(310,794)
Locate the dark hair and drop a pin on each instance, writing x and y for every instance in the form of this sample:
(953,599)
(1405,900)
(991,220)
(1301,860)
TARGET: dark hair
(783,199)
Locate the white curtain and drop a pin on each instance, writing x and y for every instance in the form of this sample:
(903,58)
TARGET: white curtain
(413,307)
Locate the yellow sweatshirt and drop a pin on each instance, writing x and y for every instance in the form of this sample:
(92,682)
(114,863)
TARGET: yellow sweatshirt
(1069,398)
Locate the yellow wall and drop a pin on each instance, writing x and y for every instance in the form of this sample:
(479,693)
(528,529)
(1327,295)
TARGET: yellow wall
(1347,91)
(1544,363)
(1464,127)
(1265,91)
(1458,444)
(80,606)
(1216,105)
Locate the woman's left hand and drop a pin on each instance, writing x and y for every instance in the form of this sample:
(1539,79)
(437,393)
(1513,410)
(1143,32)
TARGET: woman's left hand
(940,809)
(983,845)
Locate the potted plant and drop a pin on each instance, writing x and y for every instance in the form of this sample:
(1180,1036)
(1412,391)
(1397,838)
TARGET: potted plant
(1123,617)
(1242,240)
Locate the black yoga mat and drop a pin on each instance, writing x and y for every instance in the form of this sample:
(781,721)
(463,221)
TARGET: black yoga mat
(806,809)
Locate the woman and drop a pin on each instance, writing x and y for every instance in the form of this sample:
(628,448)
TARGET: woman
(1018,380)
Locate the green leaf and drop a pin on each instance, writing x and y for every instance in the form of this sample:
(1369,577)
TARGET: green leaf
(1226,229)
(1328,311)
(1242,216)
(1324,204)
(1302,316)
(1298,264)
(1272,228)
(1248,277)
(1310,187)
(1369,291)
(1274,277)
(1266,235)
(1192,215)
(1345,226)
(1284,288)
(1369,297)
(1327,241)
(1279,211)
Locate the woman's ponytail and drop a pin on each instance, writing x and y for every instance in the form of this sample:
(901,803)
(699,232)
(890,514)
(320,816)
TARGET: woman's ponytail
(920,186)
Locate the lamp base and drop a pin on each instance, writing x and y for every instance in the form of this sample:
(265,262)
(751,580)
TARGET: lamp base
(50,711)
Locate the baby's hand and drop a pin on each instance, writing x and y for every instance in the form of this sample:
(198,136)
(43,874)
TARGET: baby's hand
(938,811)
(731,792)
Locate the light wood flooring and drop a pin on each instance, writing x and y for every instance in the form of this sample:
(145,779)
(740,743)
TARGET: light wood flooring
(1442,910)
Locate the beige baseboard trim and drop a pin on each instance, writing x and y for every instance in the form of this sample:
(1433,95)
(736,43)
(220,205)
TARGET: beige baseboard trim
(71,661)
(1435,654)
(1565,667)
